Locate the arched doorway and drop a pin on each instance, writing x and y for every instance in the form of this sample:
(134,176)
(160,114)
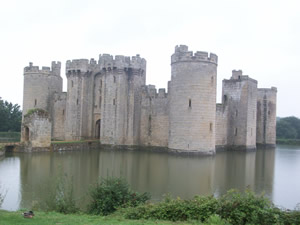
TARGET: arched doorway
(97,129)
(26,134)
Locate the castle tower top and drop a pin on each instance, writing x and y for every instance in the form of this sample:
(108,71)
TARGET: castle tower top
(55,69)
(183,55)
(107,61)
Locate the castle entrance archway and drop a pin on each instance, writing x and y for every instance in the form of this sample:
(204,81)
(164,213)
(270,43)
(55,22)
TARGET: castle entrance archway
(97,129)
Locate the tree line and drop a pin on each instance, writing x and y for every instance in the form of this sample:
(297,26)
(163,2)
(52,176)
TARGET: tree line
(10,116)
(288,128)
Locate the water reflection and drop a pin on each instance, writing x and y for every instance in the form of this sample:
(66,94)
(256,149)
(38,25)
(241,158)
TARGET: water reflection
(156,173)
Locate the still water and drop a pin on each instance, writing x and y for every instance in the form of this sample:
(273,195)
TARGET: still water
(276,172)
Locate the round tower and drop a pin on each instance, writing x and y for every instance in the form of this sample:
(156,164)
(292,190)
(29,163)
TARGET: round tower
(192,101)
(40,85)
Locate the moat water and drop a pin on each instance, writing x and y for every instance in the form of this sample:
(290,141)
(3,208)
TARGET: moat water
(276,172)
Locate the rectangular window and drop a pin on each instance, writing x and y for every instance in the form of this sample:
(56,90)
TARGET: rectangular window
(114,102)
(190,103)
(210,127)
(236,131)
(35,102)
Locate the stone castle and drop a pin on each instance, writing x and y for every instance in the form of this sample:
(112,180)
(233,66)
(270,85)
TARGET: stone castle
(109,100)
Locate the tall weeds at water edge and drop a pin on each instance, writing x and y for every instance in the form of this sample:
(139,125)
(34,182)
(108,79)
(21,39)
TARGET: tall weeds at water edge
(60,196)
(2,195)
(112,193)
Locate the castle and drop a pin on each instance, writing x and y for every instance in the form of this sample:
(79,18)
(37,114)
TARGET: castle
(109,100)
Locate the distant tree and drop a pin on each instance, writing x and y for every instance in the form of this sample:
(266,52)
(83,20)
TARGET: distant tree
(10,116)
(288,128)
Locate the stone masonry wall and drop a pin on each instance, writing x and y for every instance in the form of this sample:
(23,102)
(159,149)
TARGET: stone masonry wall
(59,116)
(240,94)
(193,101)
(266,116)
(154,117)
(221,125)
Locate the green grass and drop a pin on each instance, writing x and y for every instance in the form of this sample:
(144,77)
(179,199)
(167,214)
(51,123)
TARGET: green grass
(288,141)
(10,137)
(43,218)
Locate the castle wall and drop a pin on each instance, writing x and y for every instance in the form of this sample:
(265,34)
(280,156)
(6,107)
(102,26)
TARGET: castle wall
(154,117)
(59,116)
(266,116)
(193,101)
(221,125)
(240,93)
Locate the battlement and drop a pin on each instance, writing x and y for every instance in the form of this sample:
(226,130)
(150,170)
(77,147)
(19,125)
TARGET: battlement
(151,91)
(107,61)
(265,90)
(80,65)
(55,69)
(237,76)
(183,55)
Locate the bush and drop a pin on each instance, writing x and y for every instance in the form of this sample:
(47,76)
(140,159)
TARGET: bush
(2,196)
(113,193)
(199,208)
(246,208)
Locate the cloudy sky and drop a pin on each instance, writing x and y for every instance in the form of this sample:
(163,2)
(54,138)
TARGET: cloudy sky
(261,37)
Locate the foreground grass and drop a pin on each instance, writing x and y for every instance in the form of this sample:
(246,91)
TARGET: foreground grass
(43,218)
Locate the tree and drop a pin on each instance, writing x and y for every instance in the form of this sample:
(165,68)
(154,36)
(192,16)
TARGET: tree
(10,116)
(288,128)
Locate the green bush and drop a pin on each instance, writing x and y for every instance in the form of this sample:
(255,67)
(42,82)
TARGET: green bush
(199,208)
(113,193)
(246,208)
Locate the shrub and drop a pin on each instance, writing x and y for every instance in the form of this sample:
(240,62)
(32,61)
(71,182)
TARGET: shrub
(2,196)
(199,208)
(246,208)
(113,193)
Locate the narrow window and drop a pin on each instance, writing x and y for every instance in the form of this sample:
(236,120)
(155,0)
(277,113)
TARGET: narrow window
(225,98)
(35,102)
(210,127)
(77,101)
(63,112)
(114,79)
(236,113)
(72,84)
(114,101)
(235,132)
(100,100)
(269,112)
(239,77)
(212,80)
(100,83)
(190,103)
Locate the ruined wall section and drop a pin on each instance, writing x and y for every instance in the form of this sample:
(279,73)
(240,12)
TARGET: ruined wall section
(154,117)
(266,116)
(240,94)
(40,85)
(59,116)
(221,125)
(121,105)
(193,101)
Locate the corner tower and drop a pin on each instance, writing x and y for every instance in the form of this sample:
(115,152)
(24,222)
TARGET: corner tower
(192,101)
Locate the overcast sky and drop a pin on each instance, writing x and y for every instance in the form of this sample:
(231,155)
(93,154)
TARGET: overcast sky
(261,37)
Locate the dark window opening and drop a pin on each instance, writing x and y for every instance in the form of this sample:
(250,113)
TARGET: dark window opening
(236,113)
(100,100)
(77,101)
(100,83)
(239,77)
(269,112)
(190,103)
(72,84)
(35,102)
(114,102)
(63,112)
(212,80)
(225,98)
(210,127)
(114,79)
(235,132)
(26,134)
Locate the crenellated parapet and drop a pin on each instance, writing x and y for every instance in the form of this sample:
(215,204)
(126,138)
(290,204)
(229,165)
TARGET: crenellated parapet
(183,55)
(80,66)
(151,92)
(54,70)
(108,62)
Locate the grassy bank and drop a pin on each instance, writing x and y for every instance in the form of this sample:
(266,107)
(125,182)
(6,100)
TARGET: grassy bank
(288,141)
(43,218)
(10,137)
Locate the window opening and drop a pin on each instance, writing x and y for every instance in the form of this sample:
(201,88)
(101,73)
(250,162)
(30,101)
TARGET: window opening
(190,103)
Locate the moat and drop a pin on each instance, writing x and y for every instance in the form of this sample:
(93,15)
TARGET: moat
(272,171)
